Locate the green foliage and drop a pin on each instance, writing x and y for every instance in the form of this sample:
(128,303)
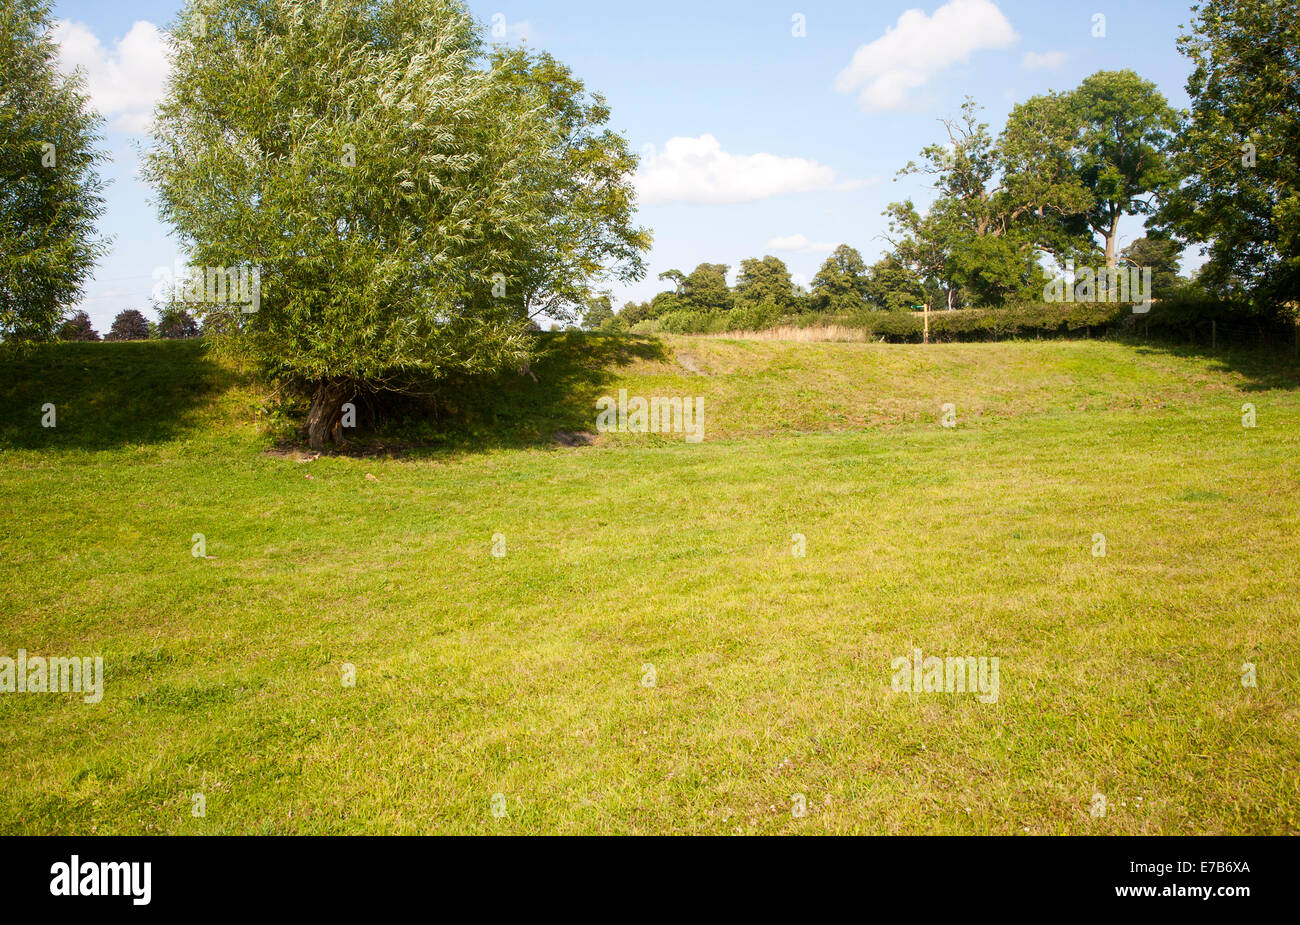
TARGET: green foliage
(636,312)
(922,247)
(665,302)
(50,191)
(842,282)
(78,327)
(687,321)
(678,279)
(217,324)
(1030,319)
(408,208)
(1121,153)
(765,281)
(706,290)
(1048,198)
(602,317)
(1239,149)
(369,225)
(995,270)
(1161,255)
(1026,319)
(1065,166)
(581,173)
(892,286)
(175,323)
(973,245)
(754,316)
(598,313)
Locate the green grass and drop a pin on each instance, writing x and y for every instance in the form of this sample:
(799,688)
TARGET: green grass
(522,675)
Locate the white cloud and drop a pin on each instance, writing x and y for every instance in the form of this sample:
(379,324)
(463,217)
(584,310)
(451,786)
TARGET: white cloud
(799,244)
(1052,60)
(124,83)
(698,170)
(918,46)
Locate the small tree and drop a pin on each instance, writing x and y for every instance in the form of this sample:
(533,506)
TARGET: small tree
(175,323)
(599,312)
(924,247)
(50,192)
(634,312)
(1158,254)
(78,327)
(706,289)
(129,324)
(841,283)
(892,286)
(765,281)
(678,279)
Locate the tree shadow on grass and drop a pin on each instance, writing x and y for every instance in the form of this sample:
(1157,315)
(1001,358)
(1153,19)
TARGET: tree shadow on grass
(105,395)
(554,398)
(1264,367)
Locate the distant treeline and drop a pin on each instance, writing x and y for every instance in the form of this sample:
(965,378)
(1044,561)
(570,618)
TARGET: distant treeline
(1015,213)
(848,291)
(131,324)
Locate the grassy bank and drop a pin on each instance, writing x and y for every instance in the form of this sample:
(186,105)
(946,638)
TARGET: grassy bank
(641,559)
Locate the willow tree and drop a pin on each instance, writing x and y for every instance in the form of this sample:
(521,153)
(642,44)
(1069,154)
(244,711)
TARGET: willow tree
(407,201)
(50,190)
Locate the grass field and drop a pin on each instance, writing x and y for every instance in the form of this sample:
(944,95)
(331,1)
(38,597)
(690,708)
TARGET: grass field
(645,558)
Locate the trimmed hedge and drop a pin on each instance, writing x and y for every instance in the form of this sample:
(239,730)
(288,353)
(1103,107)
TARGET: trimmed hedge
(1037,319)
(1194,319)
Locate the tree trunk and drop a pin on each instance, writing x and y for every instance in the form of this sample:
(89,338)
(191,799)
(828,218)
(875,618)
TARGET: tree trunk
(1111,238)
(325,417)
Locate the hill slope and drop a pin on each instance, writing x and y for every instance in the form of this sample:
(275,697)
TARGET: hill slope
(142,393)
(623,638)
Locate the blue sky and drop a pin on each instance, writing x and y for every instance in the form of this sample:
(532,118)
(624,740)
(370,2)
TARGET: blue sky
(756,139)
